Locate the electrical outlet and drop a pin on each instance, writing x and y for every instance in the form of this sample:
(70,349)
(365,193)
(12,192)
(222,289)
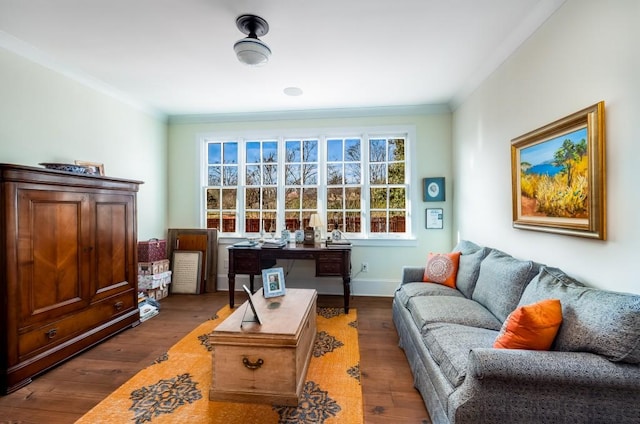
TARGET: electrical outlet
(364,267)
(226,264)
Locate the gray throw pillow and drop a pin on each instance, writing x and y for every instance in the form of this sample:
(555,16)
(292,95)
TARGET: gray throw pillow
(501,281)
(469,269)
(598,321)
(466,247)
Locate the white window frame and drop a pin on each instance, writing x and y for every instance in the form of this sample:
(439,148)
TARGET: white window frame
(322,135)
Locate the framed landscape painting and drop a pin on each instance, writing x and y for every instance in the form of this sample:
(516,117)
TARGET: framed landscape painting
(558,176)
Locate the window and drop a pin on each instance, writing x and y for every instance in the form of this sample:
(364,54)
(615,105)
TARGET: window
(387,189)
(344,185)
(301,182)
(222,185)
(261,186)
(358,184)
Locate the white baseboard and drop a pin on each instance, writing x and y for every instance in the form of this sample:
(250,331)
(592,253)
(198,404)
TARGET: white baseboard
(330,286)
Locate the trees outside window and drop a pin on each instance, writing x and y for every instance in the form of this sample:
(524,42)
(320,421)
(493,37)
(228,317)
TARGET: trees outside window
(357,184)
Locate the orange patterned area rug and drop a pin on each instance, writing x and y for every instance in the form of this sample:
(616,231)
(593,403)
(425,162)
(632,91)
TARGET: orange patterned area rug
(175,388)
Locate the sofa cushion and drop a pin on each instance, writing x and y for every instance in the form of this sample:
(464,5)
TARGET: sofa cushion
(442,268)
(598,321)
(409,290)
(531,327)
(449,345)
(468,270)
(501,281)
(451,309)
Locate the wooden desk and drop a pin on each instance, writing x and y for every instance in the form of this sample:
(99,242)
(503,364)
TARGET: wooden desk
(329,263)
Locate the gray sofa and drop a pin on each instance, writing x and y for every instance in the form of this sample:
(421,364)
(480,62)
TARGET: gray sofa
(590,375)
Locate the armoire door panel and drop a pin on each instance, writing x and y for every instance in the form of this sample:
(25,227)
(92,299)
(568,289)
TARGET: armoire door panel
(50,254)
(113,234)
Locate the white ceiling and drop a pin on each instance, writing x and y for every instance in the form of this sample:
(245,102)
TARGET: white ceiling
(176,56)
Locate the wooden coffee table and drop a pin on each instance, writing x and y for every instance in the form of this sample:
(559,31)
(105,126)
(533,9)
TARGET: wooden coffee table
(265,363)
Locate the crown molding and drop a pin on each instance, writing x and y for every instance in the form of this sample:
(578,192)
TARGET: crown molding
(33,54)
(311,114)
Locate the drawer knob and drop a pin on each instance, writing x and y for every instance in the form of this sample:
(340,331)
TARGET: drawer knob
(252,365)
(118,305)
(52,333)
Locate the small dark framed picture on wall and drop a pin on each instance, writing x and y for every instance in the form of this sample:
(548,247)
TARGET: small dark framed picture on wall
(434,189)
(434,219)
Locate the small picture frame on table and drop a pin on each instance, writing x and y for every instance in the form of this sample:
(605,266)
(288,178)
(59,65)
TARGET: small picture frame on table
(434,219)
(273,282)
(253,307)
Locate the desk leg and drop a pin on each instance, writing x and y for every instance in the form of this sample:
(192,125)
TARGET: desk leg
(346,283)
(251,282)
(232,289)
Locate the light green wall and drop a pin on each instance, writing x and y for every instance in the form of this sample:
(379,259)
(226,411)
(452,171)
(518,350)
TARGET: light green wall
(47,117)
(433,158)
(586,52)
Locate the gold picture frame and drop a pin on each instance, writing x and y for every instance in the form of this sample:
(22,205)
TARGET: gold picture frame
(97,167)
(558,176)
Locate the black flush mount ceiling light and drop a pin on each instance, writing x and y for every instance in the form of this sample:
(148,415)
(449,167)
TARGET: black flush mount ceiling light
(251,50)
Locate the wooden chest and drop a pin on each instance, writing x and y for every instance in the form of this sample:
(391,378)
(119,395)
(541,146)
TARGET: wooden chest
(265,363)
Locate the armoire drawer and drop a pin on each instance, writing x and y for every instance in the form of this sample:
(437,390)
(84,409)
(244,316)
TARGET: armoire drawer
(56,332)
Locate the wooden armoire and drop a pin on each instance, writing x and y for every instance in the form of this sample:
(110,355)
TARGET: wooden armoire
(68,266)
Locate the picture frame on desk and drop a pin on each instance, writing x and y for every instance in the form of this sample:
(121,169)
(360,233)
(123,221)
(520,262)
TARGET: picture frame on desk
(273,282)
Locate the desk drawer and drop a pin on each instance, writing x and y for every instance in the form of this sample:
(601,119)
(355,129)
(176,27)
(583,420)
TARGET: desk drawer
(328,268)
(245,261)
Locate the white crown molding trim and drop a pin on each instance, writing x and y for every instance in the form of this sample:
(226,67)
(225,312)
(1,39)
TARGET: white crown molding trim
(541,12)
(29,52)
(311,114)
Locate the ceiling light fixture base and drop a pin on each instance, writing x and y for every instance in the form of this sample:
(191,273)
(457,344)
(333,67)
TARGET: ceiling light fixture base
(251,50)
(252,25)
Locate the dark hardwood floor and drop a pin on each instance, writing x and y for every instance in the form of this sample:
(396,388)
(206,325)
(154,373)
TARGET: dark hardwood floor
(65,393)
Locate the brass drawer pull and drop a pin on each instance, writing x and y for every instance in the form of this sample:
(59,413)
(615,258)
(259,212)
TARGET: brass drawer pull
(252,365)
(118,305)
(52,333)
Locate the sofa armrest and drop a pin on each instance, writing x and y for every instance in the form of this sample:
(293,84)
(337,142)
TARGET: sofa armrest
(509,386)
(411,274)
(552,367)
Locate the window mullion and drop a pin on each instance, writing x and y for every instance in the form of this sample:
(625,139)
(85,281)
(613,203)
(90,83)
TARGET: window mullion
(366,213)
(322,178)
(242,185)
(280,188)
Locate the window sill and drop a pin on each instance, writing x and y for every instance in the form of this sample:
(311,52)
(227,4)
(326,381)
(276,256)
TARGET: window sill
(368,242)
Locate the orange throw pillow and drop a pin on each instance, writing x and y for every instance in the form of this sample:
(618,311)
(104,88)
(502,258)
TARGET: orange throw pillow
(532,327)
(442,268)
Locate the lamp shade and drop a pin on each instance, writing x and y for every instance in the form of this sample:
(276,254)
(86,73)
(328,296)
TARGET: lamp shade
(252,51)
(315,221)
